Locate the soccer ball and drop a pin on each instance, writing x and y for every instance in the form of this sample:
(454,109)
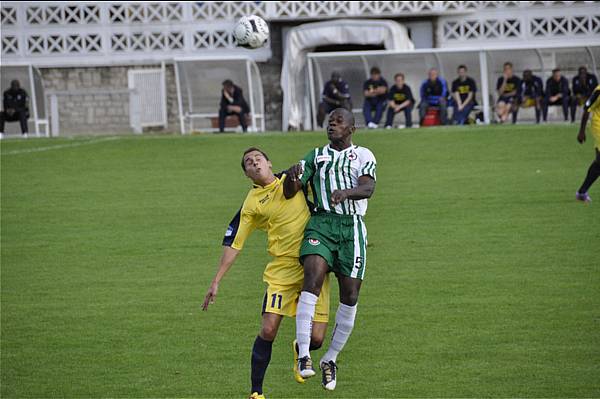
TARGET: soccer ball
(251,31)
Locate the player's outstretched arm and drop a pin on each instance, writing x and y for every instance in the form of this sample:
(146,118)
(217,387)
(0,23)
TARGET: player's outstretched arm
(364,190)
(227,259)
(292,183)
(584,119)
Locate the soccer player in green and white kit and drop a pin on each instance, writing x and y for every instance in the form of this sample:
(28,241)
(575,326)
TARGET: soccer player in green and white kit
(342,177)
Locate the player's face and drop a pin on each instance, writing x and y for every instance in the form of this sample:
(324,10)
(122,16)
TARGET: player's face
(338,127)
(399,81)
(556,76)
(375,76)
(433,74)
(508,70)
(258,168)
(462,73)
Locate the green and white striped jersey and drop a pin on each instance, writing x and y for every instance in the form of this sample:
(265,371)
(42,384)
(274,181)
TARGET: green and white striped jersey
(327,170)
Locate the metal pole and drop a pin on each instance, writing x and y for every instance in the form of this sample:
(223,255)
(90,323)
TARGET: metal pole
(260,97)
(311,85)
(179,99)
(55,130)
(251,94)
(33,101)
(485,86)
(163,86)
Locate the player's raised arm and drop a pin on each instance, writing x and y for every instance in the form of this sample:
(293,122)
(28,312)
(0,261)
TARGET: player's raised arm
(292,183)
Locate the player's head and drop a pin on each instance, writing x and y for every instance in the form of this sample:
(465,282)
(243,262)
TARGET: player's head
(556,74)
(340,125)
(462,71)
(14,84)
(399,79)
(336,76)
(256,166)
(375,73)
(527,74)
(582,71)
(507,68)
(433,74)
(228,85)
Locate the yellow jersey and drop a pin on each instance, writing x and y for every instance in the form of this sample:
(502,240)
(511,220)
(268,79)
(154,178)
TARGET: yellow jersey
(265,208)
(592,105)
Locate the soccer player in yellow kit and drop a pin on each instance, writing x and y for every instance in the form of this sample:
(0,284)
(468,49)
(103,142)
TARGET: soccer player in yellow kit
(592,105)
(266,208)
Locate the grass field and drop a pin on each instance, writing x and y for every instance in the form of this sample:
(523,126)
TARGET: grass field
(483,276)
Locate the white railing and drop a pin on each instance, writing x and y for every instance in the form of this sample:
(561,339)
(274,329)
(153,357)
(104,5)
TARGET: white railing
(101,33)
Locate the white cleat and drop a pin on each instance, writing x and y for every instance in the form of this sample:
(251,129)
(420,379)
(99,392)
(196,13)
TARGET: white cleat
(329,370)
(305,367)
(25,135)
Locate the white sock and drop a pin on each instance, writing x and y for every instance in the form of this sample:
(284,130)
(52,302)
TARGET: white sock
(344,322)
(304,318)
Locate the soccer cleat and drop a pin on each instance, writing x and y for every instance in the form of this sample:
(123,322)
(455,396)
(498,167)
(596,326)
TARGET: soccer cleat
(372,125)
(255,395)
(583,197)
(329,370)
(388,127)
(297,375)
(305,367)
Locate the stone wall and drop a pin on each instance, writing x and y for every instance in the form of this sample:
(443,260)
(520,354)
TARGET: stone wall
(94,100)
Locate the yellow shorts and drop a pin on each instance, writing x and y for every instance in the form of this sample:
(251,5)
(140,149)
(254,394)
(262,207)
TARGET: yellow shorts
(282,298)
(595,131)
(530,102)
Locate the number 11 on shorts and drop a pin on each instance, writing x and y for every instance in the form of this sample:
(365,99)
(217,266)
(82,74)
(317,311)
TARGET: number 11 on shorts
(274,300)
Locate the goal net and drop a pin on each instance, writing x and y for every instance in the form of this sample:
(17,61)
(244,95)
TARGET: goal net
(199,91)
(484,66)
(31,81)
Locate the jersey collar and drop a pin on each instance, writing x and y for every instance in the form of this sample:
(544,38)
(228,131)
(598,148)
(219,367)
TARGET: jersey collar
(352,147)
(270,185)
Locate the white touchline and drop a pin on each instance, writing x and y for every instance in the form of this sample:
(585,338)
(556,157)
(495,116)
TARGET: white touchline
(57,147)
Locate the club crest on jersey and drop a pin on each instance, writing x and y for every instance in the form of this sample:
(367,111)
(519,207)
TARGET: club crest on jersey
(313,241)
(323,158)
(352,156)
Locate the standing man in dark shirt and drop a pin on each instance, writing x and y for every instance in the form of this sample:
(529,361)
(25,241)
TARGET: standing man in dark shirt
(532,93)
(400,98)
(375,90)
(557,93)
(232,103)
(463,93)
(336,94)
(434,92)
(508,87)
(15,107)
(583,86)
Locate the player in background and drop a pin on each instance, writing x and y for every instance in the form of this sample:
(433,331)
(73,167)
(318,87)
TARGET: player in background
(336,94)
(508,94)
(463,93)
(532,93)
(342,178)
(557,93)
(266,208)
(592,105)
(375,90)
(400,99)
(434,93)
(583,86)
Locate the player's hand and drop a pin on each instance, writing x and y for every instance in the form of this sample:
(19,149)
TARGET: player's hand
(211,294)
(338,196)
(295,172)
(581,136)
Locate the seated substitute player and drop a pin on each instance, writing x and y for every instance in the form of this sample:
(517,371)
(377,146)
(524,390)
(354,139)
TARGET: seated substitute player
(232,103)
(532,93)
(15,108)
(266,208)
(557,93)
(508,86)
(342,178)
(434,93)
(375,90)
(336,94)
(592,105)
(583,86)
(400,99)
(463,93)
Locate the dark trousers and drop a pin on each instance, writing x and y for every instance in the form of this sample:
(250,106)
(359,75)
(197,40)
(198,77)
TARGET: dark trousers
(576,101)
(20,116)
(223,113)
(564,101)
(369,107)
(460,117)
(389,120)
(442,105)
